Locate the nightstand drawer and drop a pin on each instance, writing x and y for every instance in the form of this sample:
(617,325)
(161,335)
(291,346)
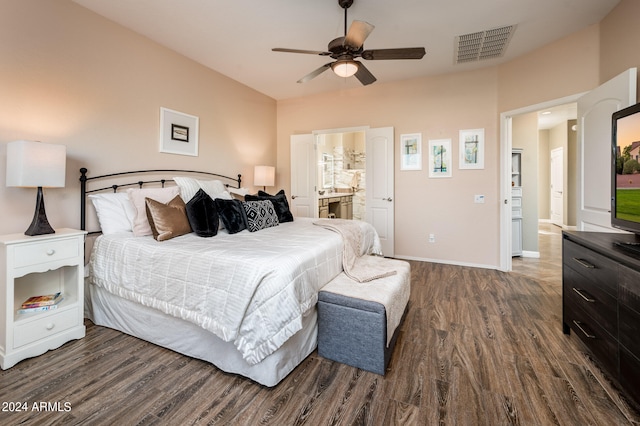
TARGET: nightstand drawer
(45,251)
(41,328)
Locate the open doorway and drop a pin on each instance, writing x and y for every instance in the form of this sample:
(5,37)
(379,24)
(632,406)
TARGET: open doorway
(306,178)
(557,149)
(342,174)
(545,144)
(535,131)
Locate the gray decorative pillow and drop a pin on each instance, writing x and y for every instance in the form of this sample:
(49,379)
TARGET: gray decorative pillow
(260,215)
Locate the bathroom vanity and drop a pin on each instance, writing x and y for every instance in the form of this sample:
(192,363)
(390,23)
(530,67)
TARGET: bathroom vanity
(337,205)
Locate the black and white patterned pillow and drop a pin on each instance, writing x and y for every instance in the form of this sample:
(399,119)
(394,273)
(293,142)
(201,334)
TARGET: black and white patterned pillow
(260,215)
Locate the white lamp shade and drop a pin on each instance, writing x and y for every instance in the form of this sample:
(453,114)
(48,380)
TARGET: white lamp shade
(34,164)
(345,68)
(264,176)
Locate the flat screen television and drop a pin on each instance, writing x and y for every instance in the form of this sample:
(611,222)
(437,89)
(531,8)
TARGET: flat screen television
(625,182)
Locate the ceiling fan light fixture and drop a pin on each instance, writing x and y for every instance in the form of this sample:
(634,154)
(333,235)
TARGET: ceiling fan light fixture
(345,68)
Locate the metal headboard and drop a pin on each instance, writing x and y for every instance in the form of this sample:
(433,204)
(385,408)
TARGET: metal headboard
(84,179)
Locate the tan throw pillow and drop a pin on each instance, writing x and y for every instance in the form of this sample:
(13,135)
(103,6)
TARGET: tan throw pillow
(137,196)
(167,220)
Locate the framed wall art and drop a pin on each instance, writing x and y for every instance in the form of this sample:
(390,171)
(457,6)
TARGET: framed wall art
(411,151)
(439,158)
(472,149)
(178,132)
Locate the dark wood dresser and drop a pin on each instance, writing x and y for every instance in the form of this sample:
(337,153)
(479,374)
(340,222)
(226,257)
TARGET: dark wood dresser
(601,302)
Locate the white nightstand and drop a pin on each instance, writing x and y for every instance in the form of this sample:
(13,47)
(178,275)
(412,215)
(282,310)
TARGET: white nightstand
(34,266)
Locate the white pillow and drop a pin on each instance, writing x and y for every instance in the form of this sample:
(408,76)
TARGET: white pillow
(115,212)
(189,187)
(141,225)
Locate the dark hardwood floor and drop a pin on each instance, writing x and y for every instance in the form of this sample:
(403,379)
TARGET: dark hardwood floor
(478,347)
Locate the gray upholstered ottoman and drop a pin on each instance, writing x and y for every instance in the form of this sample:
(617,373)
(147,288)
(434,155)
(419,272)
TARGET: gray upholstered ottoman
(358,323)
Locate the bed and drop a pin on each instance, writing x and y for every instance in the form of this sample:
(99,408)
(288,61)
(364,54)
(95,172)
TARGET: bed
(244,300)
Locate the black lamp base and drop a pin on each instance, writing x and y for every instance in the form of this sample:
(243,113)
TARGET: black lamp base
(39,224)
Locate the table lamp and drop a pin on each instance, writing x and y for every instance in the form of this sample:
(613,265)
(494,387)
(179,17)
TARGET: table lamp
(36,165)
(264,176)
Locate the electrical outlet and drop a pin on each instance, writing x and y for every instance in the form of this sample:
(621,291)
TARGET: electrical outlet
(432,238)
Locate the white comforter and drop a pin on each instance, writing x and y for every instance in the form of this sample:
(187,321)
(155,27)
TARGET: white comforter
(251,289)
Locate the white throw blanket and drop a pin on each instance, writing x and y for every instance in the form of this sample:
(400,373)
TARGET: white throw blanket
(392,292)
(356,266)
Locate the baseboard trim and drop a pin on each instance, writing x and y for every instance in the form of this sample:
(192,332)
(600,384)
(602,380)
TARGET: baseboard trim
(532,254)
(447,262)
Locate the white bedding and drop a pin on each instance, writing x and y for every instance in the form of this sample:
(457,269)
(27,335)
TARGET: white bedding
(251,289)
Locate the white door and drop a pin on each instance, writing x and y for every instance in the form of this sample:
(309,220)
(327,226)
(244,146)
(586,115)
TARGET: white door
(303,176)
(594,149)
(380,190)
(557,186)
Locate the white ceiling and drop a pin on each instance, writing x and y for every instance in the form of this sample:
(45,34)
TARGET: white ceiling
(551,117)
(235,37)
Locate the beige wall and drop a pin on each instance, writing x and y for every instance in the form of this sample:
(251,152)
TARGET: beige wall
(70,77)
(619,36)
(566,67)
(544,174)
(437,107)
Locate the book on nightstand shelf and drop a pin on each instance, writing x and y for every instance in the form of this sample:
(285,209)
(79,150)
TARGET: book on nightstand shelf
(43,301)
(40,308)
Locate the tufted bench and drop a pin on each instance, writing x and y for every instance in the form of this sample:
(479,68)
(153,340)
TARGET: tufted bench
(353,325)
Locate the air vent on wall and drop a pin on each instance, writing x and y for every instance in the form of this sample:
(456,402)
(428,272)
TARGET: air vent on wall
(483,44)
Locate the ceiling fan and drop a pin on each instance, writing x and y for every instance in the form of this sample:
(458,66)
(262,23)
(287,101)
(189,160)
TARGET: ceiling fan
(345,49)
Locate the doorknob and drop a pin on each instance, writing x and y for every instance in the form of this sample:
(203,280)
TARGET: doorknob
(388,199)
(293,197)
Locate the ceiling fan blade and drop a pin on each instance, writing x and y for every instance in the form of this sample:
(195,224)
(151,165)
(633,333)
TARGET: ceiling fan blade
(402,53)
(313,74)
(358,33)
(309,52)
(363,75)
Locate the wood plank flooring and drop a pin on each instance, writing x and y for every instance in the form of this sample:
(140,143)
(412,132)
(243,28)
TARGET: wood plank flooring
(478,347)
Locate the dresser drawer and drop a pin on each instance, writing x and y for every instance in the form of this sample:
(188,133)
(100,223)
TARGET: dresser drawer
(44,326)
(629,288)
(603,346)
(45,251)
(630,373)
(581,292)
(591,265)
(628,329)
